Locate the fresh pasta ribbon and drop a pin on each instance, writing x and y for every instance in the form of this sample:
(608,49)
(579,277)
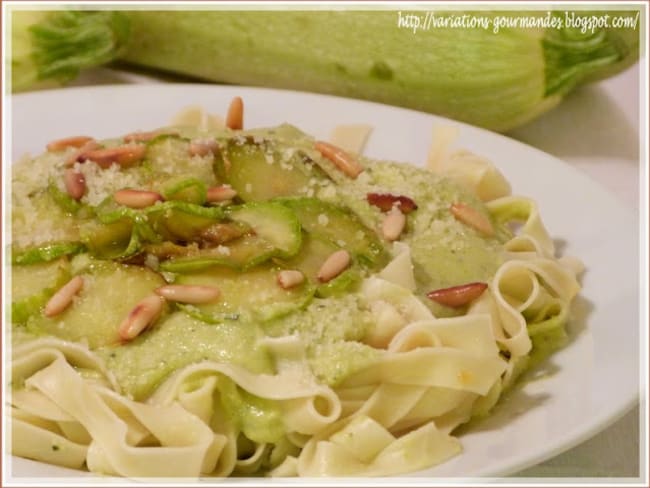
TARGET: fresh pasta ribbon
(351,137)
(533,236)
(298,391)
(182,444)
(362,447)
(399,270)
(196,116)
(473,172)
(31,356)
(182,417)
(442,366)
(392,305)
(520,289)
(34,437)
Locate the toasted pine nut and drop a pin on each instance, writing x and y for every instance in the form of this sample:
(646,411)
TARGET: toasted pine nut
(288,278)
(203,147)
(141,316)
(75,141)
(189,293)
(122,155)
(457,296)
(136,198)
(147,136)
(393,224)
(235,116)
(75,183)
(79,156)
(334,265)
(63,297)
(341,159)
(469,216)
(386,201)
(220,194)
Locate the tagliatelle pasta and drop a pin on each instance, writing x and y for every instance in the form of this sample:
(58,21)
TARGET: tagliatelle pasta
(366,372)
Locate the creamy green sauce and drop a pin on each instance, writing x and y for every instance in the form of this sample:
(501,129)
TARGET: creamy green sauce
(445,253)
(142,364)
(331,329)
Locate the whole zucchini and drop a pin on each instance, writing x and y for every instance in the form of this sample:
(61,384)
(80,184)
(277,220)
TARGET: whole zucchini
(495,80)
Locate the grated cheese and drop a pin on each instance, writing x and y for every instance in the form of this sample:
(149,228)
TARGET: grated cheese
(102,183)
(323,220)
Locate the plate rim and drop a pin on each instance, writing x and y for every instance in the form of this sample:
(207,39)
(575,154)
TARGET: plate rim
(586,433)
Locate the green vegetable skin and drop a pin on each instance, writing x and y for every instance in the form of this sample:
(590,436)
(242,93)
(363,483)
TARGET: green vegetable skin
(498,81)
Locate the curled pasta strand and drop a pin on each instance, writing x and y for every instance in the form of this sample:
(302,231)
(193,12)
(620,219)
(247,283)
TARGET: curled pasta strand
(475,173)
(520,209)
(308,415)
(360,446)
(32,356)
(184,442)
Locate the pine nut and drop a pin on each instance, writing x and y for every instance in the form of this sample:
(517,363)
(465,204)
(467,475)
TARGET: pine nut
(203,148)
(334,265)
(288,278)
(122,155)
(393,224)
(78,156)
(75,183)
(63,297)
(469,216)
(75,141)
(189,293)
(136,198)
(341,159)
(457,296)
(220,194)
(235,116)
(145,313)
(386,201)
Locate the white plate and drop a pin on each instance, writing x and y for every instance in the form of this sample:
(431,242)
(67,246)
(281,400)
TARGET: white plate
(590,384)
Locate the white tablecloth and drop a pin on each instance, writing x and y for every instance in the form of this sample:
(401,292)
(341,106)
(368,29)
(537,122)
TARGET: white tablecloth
(596,129)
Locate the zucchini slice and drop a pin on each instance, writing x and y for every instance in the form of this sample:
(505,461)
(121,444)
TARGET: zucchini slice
(274,222)
(259,169)
(182,221)
(184,189)
(109,293)
(241,254)
(44,252)
(33,284)
(254,292)
(340,226)
(315,250)
(274,231)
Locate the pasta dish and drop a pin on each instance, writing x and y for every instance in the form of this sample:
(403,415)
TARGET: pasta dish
(209,300)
